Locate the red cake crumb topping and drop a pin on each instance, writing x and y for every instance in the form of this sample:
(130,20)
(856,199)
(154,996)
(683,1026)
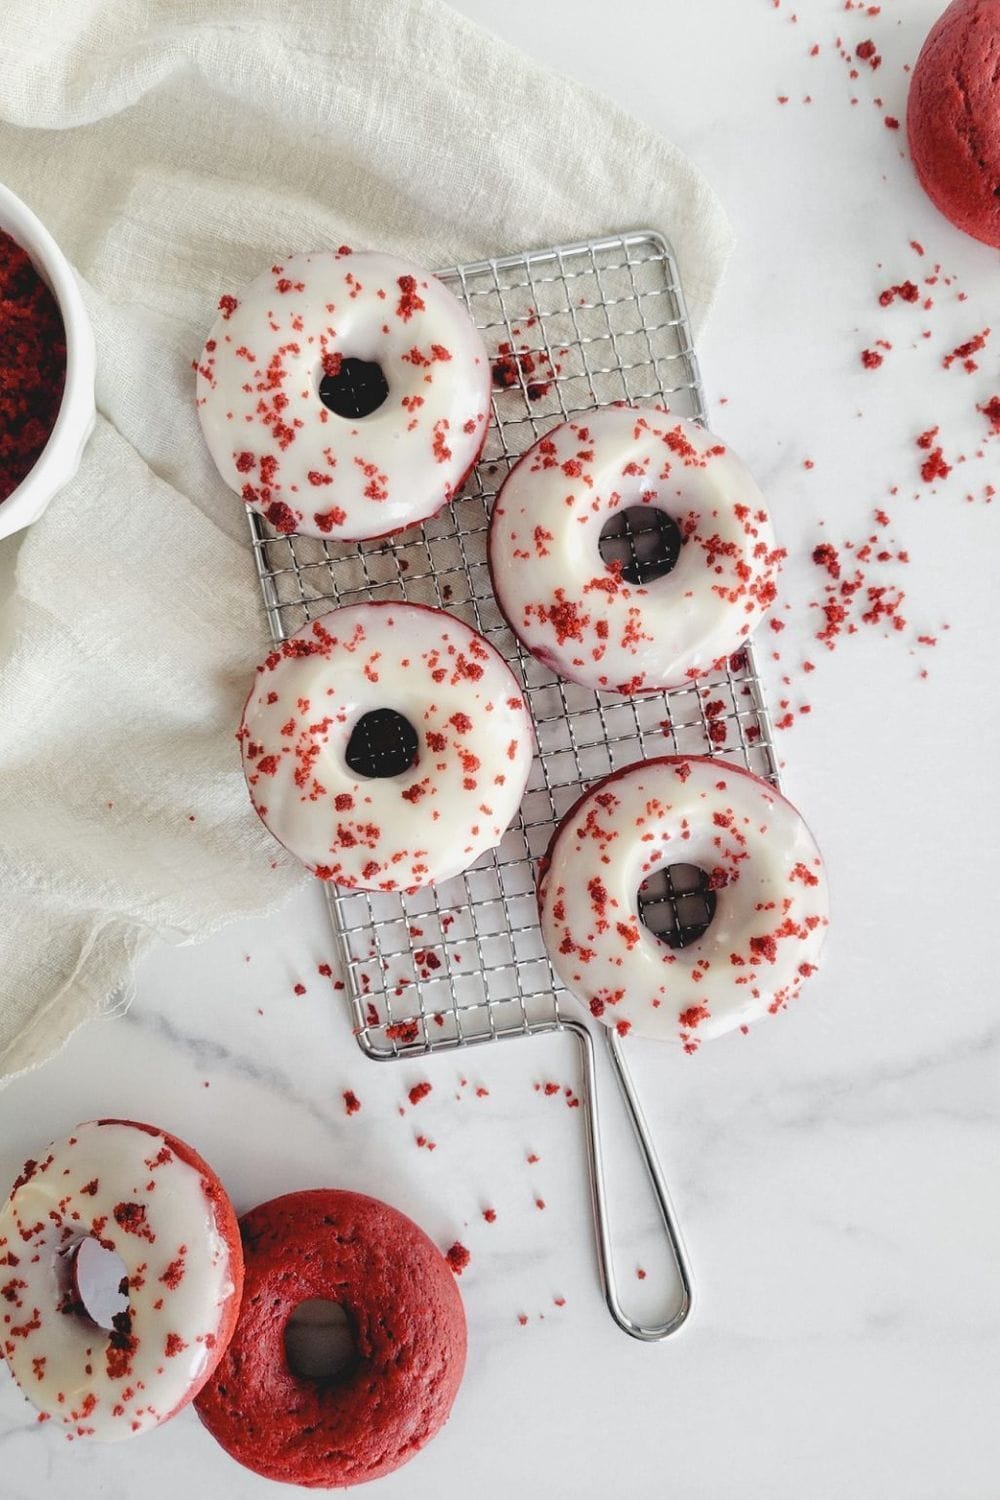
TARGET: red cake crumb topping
(532,366)
(934,465)
(400,1031)
(964,352)
(458,1257)
(131,1217)
(991,410)
(32,364)
(410,300)
(907,291)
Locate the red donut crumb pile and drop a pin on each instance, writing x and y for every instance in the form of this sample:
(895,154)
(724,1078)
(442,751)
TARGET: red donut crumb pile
(32,364)
(520,364)
(458,1258)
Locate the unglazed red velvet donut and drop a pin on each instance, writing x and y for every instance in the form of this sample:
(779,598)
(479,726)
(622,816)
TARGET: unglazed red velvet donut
(580,615)
(408,1323)
(472,745)
(762,863)
(150,1198)
(953,117)
(308,468)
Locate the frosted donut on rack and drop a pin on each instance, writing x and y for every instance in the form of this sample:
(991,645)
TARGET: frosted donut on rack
(740,942)
(386,745)
(598,623)
(344,395)
(147,1196)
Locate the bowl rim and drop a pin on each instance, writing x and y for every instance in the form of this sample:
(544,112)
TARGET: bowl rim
(74,422)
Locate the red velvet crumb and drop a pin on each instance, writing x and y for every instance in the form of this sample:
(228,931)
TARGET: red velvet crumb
(458,1258)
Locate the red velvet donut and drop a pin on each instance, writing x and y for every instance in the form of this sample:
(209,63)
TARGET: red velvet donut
(953,117)
(409,1327)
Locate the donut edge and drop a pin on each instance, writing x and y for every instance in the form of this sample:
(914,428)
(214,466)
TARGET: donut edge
(227,1224)
(345,1197)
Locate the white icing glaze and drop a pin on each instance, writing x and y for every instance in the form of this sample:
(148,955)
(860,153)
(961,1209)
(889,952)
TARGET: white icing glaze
(475,743)
(122,1185)
(576,613)
(301,465)
(771,914)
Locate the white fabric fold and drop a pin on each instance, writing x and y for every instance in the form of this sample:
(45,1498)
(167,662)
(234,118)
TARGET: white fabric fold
(174,148)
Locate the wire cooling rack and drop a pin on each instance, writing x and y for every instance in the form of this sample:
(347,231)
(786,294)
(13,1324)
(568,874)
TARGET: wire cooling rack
(568,329)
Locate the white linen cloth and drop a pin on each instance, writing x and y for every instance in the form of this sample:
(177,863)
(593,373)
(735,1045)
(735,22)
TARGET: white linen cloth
(175,148)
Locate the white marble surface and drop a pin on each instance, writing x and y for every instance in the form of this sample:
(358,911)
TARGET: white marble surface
(835,1171)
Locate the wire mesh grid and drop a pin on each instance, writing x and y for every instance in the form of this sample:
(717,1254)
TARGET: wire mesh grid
(568,329)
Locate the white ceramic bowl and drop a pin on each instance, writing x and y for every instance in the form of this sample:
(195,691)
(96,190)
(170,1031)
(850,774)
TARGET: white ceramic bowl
(60,458)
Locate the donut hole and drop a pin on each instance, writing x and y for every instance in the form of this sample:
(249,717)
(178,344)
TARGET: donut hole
(382,743)
(98,1283)
(640,543)
(320,1342)
(677,904)
(352,387)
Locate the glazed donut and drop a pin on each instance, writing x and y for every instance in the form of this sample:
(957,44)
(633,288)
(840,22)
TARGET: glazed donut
(408,1324)
(760,862)
(580,616)
(328,317)
(461,782)
(146,1195)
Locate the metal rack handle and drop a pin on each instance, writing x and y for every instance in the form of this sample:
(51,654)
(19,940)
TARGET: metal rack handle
(647,1333)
